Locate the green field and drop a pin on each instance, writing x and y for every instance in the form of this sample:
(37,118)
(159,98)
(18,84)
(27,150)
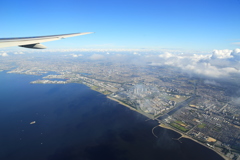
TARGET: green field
(180,123)
(94,87)
(106,92)
(201,125)
(175,125)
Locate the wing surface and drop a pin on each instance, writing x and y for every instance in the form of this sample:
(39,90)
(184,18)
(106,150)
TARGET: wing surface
(34,42)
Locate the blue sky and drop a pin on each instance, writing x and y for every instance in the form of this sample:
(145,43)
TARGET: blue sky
(197,25)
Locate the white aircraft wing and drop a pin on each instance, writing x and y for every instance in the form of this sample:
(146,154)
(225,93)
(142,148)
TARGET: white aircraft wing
(34,42)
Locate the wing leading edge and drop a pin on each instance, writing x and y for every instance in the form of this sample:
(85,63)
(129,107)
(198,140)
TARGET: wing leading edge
(34,42)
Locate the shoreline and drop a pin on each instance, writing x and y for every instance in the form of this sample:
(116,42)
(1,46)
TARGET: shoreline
(126,105)
(173,129)
(188,137)
(161,125)
(121,103)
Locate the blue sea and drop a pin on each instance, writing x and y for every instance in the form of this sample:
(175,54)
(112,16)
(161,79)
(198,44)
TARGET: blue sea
(76,123)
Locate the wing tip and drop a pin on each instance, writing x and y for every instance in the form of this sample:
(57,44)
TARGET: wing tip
(82,33)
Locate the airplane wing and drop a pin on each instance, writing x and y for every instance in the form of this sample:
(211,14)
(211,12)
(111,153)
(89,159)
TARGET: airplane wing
(34,42)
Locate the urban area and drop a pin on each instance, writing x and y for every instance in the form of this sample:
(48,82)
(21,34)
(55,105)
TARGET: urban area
(198,108)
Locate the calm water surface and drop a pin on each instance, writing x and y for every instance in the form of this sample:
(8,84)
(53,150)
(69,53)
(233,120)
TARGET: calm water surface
(76,123)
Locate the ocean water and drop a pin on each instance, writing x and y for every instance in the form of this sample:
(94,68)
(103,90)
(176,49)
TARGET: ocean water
(76,123)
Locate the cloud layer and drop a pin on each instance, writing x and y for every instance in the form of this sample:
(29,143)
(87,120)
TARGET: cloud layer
(221,63)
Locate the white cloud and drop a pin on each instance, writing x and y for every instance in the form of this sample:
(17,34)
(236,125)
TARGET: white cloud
(18,53)
(4,54)
(236,53)
(76,55)
(166,55)
(218,64)
(221,54)
(96,57)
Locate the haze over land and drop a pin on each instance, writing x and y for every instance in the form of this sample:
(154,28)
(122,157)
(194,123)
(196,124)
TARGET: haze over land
(222,64)
(183,73)
(197,94)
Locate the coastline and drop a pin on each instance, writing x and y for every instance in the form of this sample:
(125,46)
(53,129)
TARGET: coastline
(121,103)
(161,124)
(188,137)
(175,130)
(164,126)
(129,107)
